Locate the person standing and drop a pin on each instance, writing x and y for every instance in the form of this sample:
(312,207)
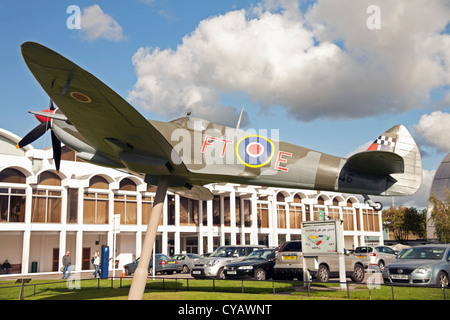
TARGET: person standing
(96,263)
(67,265)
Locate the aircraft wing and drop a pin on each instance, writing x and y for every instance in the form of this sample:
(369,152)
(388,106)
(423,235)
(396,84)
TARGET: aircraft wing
(108,122)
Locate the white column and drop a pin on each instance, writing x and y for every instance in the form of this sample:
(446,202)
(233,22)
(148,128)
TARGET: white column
(233,217)
(200,249)
(62,246)
(78,250)
(176,236)
(26,251)
(209,215)
(222,220)
(254,219)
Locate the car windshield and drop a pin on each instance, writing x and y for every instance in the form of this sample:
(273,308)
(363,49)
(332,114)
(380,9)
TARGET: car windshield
(259,255)
(363,250)
(434,253)
(223,252)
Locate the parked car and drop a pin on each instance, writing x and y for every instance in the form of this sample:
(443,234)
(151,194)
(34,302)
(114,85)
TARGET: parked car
(257,265)
(427,265)
(163,264)
(289,265)
(328,267)
(213,265)
(289,261)
(375,256)
(185,261)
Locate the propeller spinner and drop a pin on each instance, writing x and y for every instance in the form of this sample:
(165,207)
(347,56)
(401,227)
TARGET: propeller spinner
(37,132)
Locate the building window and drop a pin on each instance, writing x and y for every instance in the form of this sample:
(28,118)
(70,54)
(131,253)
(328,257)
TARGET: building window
(12,205)
(72,208)
(347,214)
(95,208)
(247,213)
(263,214)
(295,216)
(281,210)
(170,209)
(125,203)
(147,204)
(188,211)
(226,212)
(46,206)
(370,219)
(11,175)
(333,213)
(126,206)
(216,210)
(96,203)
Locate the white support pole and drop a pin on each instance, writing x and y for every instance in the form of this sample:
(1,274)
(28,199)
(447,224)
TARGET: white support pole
(140,276)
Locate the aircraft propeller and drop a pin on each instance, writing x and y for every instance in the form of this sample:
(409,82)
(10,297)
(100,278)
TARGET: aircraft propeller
(37,132)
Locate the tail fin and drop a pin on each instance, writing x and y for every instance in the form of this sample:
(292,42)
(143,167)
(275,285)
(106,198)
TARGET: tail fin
(393,154)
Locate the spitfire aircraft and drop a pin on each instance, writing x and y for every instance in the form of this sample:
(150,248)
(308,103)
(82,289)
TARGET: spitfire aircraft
(104,129)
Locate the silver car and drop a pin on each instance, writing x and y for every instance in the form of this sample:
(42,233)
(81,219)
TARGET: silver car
(375,256)
(185,261)
(213,265)
(427,265)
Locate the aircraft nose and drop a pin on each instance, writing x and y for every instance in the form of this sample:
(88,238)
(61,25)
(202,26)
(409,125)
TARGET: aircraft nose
(42,119)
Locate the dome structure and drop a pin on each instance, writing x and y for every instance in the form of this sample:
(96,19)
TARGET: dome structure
(439,187)
(441,181)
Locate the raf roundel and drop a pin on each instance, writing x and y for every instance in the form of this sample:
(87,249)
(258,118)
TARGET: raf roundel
(80,97)
(255,151)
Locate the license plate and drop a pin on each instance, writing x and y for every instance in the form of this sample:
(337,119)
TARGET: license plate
(171,262)
(231,272)
(399,276)
(361,257)
(289,257)
(196,272)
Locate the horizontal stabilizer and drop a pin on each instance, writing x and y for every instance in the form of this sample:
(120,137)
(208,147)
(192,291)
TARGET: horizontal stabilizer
(377,162)
(195,192)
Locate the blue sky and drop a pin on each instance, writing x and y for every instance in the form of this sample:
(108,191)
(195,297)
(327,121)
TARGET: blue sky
(346,85)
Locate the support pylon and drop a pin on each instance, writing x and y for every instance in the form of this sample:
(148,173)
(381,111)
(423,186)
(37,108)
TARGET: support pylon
(140,274)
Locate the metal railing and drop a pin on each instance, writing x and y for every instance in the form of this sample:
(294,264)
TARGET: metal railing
(186,284)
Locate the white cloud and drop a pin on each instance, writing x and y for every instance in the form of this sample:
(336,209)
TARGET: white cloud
(435,129)
(322,64)
(96,24)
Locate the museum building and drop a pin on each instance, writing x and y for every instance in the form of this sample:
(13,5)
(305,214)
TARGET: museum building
(45,213)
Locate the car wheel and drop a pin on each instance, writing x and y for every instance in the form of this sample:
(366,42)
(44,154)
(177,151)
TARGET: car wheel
(442,279)
(220,274)
(381,265)
(185,269)
(150,270)
(260,274)
(358,273)
(323,275)
(127,271)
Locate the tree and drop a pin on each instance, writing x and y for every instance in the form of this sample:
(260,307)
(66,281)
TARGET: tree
(404,221)
(440,216)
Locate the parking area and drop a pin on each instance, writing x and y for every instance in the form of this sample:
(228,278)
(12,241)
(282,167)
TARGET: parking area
(370,277)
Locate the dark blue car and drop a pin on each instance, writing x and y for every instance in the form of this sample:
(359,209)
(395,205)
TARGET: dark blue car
(257,265)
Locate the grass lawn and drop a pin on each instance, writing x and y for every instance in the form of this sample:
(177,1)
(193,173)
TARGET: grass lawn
(183,289)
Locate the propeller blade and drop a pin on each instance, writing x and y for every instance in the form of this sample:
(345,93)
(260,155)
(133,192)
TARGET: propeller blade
(52,107)
(33,135)
(56,145)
